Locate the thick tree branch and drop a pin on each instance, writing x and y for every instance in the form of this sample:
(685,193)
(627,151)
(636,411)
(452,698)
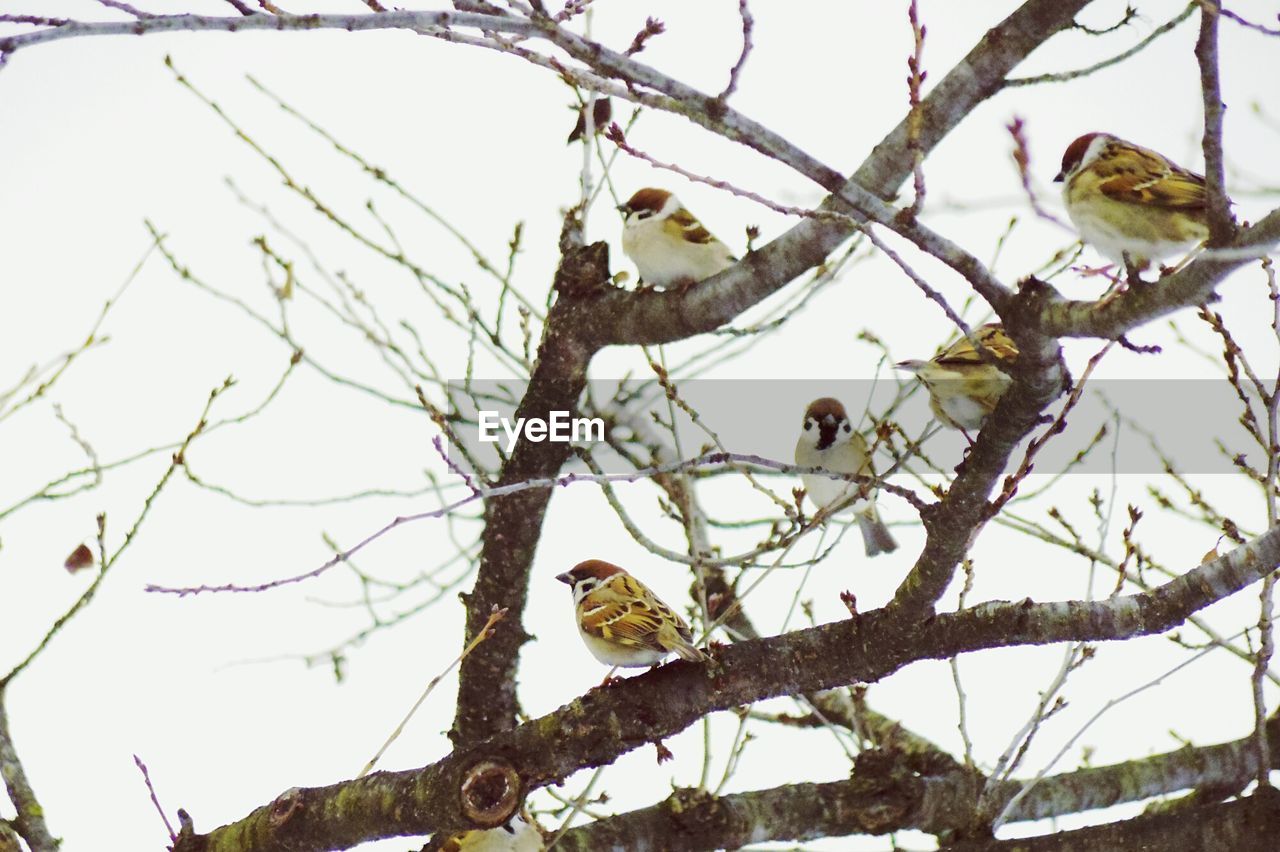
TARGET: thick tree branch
(29,823)
(1245,825)
(398,20)
(886,793)
(598,727)
(1192,285)
(513,523)
(615,316)
(1039,377)
(652,318)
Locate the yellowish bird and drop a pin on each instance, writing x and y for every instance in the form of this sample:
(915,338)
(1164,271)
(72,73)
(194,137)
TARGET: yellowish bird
(622,622)
(1130,203)
(667,243)
(963,387)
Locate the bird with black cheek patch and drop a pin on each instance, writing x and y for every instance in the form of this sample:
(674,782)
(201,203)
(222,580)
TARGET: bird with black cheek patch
(622,622)
(668,245)
(829,441)
(1130,203)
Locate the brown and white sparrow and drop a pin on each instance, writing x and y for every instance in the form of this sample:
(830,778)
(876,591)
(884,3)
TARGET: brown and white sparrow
(518,834)
(828,440)
(622,622)
(1130,203)
(669,247)
(963,388)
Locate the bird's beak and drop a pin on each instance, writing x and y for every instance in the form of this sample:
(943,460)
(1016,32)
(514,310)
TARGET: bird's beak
(565,578)
(913,366)
(623,209)
(1060,178)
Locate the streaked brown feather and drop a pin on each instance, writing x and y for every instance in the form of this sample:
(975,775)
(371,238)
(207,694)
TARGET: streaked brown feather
(624,611)
(1136,175)
(993,338)
(684,225)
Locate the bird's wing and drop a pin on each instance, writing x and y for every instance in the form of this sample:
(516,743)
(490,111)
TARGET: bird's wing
(993,339)
(624,611)
(862,458)
(682,225)
(1139,176)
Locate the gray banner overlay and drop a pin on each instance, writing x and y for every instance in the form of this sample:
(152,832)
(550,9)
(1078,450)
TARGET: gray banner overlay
(1194,424)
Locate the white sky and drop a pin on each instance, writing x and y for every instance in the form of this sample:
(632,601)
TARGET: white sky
(95,137)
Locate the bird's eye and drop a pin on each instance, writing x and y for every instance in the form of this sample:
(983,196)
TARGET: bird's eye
(644,214)
(808,424)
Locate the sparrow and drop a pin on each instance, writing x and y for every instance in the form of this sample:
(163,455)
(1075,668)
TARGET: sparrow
(669,246)
(963,388)
(828,440)
(518,834)
(1130,203)
(622,622)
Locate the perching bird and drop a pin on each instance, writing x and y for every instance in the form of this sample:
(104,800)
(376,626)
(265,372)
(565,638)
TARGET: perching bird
(963,388)
(828,440)
(518,834)
(622,622)
(669,246)
(1130,203)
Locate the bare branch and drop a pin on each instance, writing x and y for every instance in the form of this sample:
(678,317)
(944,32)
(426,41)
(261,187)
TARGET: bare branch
(655,705)
(29,823)
(747,24)
(1193,285)
(1064,76)
(1221,227)
(261,21)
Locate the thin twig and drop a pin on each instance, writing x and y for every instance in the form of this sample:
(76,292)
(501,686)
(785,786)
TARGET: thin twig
(747,24)
(107,562)
(483,634)
(146,777)
(915,117)
(1063,76)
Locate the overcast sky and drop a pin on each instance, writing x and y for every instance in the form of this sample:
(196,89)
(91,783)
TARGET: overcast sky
(97,137)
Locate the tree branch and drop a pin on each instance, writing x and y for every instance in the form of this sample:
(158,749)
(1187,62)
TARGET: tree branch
(1192,285)
(513,522)
(1039,377)
(1221,228)
(598,727)
(398,20)
(876,801)
(29,823)
(577,327)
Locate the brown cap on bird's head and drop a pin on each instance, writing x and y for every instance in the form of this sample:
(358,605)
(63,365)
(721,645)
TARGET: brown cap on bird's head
(1074,154)
(649,198)
(825,407)
(597,568)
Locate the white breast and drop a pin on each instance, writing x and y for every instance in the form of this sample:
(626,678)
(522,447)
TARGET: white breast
(666,261)
(824,491)
(613,654)
(964,412)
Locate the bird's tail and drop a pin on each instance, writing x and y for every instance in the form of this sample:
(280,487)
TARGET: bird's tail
(686,651)
(875,535)
(683,648)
